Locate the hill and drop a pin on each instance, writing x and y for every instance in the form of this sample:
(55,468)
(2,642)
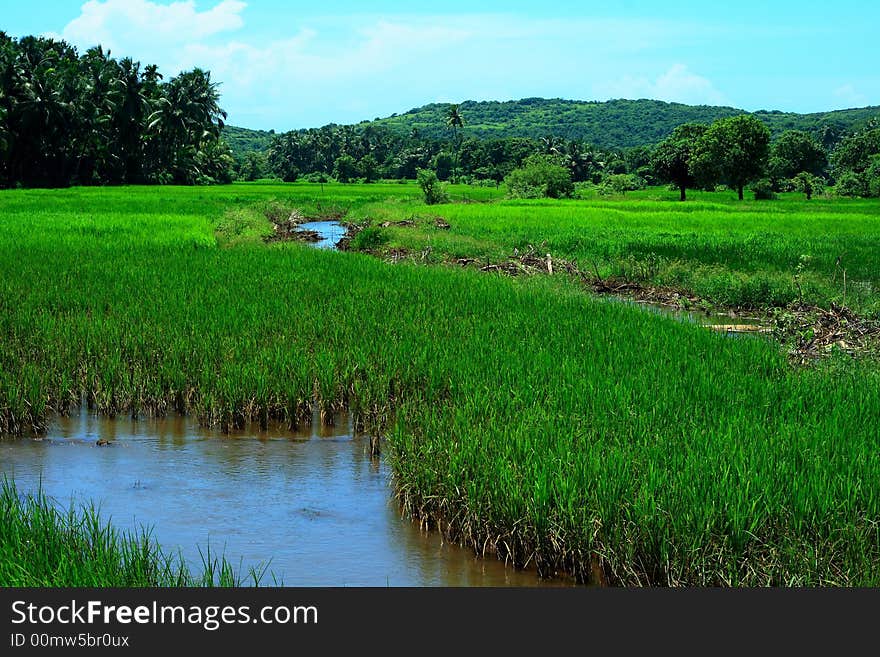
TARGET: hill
(610,124)
(244,140)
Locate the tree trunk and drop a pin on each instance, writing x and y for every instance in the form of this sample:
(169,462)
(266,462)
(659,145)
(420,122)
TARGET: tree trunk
(739,191)
(683,197)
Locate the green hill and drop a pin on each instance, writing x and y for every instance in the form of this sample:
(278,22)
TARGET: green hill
(244,140)
(611,124)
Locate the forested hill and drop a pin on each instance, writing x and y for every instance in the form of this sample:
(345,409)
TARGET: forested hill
(244,140)
(611,124)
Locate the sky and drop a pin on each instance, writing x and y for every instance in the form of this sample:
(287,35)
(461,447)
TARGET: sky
(284,65)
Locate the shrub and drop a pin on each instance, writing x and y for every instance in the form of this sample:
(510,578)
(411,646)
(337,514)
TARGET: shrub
(431,188)
(763,190)
(851,184)
(621,183)
(316,177)
(369,239)
(539,177)
(806,183)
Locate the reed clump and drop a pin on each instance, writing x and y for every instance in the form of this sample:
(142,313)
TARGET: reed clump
(45,545)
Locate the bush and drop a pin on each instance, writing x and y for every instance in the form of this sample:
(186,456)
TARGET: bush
(539,177)
(431,188)
(368,239)
(763,190)
(851,184)
(621,183)
(316,177)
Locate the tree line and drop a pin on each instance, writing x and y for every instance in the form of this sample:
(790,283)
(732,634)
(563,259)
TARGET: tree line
(736,151)
(71,119)
(68,119)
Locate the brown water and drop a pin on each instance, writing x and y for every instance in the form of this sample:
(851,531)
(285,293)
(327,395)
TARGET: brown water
(719,321)
(312,502)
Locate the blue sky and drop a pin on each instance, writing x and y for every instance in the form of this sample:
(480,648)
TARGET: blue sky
(287,65)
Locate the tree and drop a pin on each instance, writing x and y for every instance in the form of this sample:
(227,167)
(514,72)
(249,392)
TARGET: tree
(856,164)
(443,165)
(856,152)
(807,183)
(672,159)
(733,151)
(345,168)
(90,119)
(454,122)
(795,151)
(252,167)
(369,168)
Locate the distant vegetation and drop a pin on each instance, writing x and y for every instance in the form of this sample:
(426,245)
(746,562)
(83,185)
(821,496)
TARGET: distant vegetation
(70,119)
(737,151)
(615,124)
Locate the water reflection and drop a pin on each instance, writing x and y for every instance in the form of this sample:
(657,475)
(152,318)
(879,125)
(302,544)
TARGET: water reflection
(329,231)
(312,501)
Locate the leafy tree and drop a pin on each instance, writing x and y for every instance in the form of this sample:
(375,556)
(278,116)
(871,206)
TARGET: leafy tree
(540,176)
(795,151)
(443,165)
(856,164)
(672,159)
(856,152)
(808,184)
(733,151)
(345,168)
(253,167)
(369,168)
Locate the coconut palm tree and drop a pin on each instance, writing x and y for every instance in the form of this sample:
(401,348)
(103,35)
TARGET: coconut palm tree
(454,122)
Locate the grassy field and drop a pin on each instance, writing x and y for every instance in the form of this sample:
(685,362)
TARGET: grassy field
(751,254)
(522,416)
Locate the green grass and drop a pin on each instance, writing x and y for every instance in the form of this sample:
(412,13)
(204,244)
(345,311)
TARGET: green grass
(753,254)
(523,417)
(43,545)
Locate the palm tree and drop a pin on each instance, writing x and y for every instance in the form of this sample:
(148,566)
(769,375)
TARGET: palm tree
(454,121)
(188,117)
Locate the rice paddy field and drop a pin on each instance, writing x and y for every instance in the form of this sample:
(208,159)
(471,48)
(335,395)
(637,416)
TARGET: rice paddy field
(730,253)
(521,416)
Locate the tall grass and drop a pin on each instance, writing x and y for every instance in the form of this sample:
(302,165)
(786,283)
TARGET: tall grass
(43,545)
(521,417)
(752,254)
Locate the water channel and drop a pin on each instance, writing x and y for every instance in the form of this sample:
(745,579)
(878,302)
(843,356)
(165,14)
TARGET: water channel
(311,504)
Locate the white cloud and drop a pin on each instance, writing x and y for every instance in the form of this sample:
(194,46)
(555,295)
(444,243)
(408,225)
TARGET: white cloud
(345,69)
(848,94)
(136,25)
(678,84)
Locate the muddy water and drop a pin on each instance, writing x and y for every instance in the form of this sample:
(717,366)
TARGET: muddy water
(736,325)
(311,502)
(330,231)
